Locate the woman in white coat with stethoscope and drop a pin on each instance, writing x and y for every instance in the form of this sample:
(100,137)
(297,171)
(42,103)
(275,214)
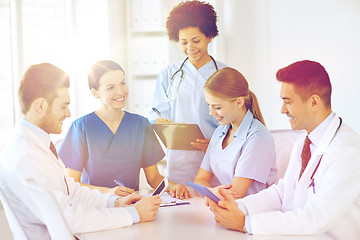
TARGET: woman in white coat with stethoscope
(179,94)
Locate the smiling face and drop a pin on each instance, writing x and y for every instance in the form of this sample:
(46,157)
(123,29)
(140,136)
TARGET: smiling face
(113,90)
(225,111)
(194,44)
(56,112)
(298,111)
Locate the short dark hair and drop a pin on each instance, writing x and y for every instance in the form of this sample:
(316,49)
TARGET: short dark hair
(99,69)
(309,78)
(192,14)
(41,80)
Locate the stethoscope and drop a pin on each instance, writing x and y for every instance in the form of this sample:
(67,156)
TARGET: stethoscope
(171,95)
(311,180)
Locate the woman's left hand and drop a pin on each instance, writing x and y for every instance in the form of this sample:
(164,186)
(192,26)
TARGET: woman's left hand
(227,189)
(179,191)
(201,144)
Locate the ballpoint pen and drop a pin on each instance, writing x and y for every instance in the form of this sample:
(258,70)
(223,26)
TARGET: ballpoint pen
(164,120)
(118,182)
(313,185)
(157,112)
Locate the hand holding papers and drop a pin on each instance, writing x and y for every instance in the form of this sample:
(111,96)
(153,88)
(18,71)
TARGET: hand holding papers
(178,136)
(201,144)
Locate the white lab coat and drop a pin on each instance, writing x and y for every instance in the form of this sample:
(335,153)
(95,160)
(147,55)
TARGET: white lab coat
(27,159)
(291,207)
(189,106)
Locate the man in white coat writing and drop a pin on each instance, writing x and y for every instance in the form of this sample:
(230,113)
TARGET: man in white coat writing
(320,192)
(29,161)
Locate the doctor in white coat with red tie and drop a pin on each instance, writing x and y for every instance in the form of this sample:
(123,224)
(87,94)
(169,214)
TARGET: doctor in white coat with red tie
(29,162)
(320,192)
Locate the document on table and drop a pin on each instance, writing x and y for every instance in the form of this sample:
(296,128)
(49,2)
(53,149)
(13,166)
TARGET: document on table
(168,200)
(178,136)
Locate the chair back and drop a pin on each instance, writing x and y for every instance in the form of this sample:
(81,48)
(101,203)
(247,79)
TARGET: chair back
(14,224)
(284,141)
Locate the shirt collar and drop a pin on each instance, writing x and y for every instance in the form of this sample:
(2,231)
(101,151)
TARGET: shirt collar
(243,128)
(44,136)
(319,131)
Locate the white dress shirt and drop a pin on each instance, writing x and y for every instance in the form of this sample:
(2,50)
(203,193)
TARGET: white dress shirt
(27,158)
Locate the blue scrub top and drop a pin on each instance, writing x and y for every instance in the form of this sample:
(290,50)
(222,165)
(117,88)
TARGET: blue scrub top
(250,155)
(91,148)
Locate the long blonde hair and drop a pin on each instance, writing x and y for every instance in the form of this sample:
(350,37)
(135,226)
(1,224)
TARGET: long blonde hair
(230,84)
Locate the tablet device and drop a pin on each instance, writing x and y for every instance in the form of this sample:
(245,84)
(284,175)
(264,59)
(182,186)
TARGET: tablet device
(204,191)
(160,189)
(178,136)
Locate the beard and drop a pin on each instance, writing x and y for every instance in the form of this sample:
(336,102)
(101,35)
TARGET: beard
(50,124)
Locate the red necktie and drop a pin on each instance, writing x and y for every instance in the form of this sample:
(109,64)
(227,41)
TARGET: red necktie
(305,155)
(53,150)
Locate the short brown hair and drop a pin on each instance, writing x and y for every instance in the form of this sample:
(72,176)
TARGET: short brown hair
(309,78)
(41,80)
(192,14)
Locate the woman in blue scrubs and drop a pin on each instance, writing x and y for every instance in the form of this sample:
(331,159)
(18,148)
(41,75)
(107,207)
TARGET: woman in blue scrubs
(241,152)
(179,92)
(111,144)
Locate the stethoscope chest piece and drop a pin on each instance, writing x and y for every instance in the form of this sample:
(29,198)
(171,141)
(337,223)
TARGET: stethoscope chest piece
(172,87)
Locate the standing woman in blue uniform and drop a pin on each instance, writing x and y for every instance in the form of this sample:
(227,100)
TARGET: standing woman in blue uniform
(110,143)
(241,151)
(179,94)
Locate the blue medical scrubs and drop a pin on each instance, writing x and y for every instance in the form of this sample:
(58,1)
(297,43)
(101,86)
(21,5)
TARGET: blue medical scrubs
(91,148)
(250,155)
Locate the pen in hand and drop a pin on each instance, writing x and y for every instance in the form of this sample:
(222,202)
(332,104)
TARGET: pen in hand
(122,190)
(161,119)
(157,112)
(118,183)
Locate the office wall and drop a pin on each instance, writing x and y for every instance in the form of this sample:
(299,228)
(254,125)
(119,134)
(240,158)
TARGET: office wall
(259,37)
(97,32)
(32,32)
(256,36)
(6,93)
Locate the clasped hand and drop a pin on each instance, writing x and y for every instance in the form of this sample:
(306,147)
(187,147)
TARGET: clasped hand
(227,212)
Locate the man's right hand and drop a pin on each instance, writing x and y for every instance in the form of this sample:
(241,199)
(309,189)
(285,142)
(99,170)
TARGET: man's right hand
(128,200)
(148,207)
(227,212)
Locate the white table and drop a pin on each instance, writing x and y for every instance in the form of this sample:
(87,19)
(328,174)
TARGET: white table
(184,222)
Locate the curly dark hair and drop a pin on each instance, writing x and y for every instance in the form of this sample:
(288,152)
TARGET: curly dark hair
(192,14)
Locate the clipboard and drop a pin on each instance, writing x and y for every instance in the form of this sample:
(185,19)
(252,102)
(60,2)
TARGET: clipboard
(178,136)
